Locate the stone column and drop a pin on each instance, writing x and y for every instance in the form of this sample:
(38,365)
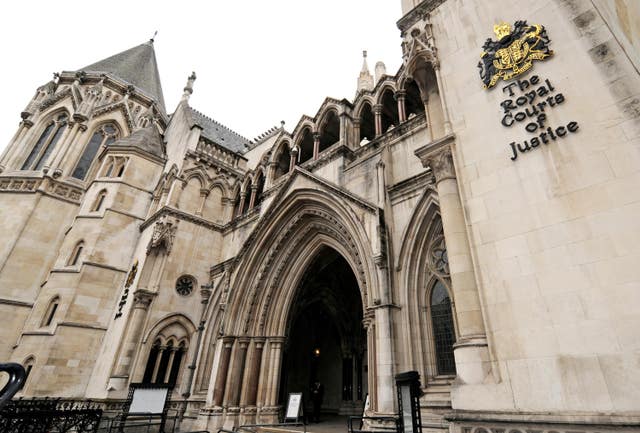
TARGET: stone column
(204,193)
(172,356)
(356,132)
(252,200)
(369,325)
(141,302)
(443,100)
(294,158)
(221,374)
(470,351)
(401,97)
(253,375)
(384,361)
(316,145)
(243,199)
(15,146)
(377,114)
(275,358)
(237,373)
(271,174)
(67,159)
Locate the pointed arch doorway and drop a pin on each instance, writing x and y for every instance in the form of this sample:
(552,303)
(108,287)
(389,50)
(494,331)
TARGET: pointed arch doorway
(325,337)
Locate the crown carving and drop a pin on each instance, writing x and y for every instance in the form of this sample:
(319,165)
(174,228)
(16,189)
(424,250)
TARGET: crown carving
(501,30)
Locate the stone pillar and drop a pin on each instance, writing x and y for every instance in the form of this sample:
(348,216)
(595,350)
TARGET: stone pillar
(67,159)
(271,174)
(15,146)
(221,374)
(252,200)
(470,351)
(141,301)
(237,373)
(384,361)
(377,114)
(275,358)
(253,375)
(370,326)
(443,100)
(204,193)
(401,97)
(294,158)
(243,199)
(356,132)
(316,144)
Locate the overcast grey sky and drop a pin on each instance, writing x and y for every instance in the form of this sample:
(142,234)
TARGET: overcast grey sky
(257,62)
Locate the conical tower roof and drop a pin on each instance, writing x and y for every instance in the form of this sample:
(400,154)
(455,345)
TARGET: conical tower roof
(136,66)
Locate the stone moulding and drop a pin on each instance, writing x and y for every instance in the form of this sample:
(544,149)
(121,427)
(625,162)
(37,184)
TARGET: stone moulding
(418,13)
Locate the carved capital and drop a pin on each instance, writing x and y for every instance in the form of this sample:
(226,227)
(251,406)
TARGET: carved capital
(377,109)
(441,165)
(142,298)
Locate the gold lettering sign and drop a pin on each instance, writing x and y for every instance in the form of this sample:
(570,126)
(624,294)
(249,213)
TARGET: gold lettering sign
(513,53)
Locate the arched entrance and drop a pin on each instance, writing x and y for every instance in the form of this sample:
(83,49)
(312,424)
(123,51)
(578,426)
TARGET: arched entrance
(326,341)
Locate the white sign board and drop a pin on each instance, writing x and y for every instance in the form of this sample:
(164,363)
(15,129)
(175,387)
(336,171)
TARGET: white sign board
(148,400)
(293,405)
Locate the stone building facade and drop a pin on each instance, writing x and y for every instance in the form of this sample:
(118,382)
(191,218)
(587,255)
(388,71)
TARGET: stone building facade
(427,224)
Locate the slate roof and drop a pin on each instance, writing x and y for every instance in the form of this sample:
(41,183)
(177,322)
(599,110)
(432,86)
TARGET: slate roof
(146,139)
(218,133)
(136,66)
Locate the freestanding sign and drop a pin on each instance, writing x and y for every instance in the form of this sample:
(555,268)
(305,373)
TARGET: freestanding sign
(409,392)
(294,407)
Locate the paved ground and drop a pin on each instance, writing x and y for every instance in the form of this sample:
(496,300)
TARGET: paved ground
(328,424)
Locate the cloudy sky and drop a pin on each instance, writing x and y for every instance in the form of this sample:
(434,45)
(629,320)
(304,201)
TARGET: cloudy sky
(257,62)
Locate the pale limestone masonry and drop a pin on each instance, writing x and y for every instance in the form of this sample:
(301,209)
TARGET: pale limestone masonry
(178,249)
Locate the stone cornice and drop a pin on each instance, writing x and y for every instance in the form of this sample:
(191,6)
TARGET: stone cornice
(409,185)
(418,13)
(176,213)
(334,152)
(127,150)
(16,303)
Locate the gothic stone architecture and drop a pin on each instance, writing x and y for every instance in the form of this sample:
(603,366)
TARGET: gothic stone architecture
(488,238)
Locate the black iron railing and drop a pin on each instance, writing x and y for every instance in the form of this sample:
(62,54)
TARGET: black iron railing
(50,416)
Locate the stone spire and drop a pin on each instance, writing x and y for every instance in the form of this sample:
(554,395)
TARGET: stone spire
(365,80)
(137,66)
(380,70)
(188,89)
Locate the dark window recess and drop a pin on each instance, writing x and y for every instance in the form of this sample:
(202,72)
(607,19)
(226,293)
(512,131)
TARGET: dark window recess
(443,330)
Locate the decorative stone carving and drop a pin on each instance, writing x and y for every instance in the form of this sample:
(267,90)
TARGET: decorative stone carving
(163,234)
(142,298)
(441,164)
(438,260)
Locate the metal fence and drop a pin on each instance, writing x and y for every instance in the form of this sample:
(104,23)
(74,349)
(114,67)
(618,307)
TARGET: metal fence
(49,416)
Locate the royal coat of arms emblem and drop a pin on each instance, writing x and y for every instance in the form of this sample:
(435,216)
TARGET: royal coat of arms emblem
(513,53)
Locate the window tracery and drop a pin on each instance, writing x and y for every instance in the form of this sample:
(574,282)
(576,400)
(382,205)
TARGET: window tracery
(104,136)
(46,143)
(185,285)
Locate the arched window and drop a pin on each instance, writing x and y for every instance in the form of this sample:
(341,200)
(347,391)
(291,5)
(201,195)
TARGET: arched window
(413,100)
(330,131)
(259,189)
(164,362)
(105,135)
(28,366)
(45,144)
(50,312)
(283,161)
(389,110)
(97,205)
(306,146)
(75,254)
(444,334)
(367,123)
(236,205)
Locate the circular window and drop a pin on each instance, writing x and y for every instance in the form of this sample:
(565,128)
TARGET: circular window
(184,285)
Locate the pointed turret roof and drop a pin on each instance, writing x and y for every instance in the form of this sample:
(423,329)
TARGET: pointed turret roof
(146,139)
(136,66)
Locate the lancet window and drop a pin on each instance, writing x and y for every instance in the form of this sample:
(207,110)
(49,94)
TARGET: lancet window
(46,143)
(105,135)
(444,335)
